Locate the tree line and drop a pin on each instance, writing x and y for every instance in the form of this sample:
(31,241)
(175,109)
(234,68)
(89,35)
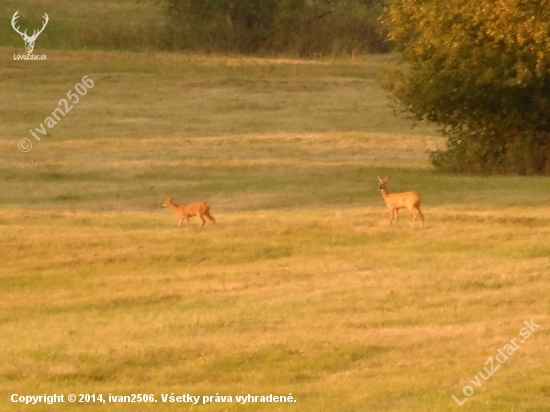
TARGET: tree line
(290,27)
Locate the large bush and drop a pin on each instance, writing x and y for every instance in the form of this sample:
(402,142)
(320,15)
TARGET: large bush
(299,27)
(481,70)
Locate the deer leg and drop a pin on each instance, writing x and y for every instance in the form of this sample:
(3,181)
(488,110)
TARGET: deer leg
(415,216)
(419,213)
(203,221)
(415,211)
(396,211)
(187,220)
(391,216)
(179,224)
(209,216)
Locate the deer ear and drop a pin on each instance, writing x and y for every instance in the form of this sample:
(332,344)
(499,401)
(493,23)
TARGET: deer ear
(379,179)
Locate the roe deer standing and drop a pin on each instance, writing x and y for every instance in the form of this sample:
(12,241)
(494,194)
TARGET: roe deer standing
(184,212)
(396,201)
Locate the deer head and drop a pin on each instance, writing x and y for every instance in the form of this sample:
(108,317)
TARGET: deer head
(29,40)
(382,183)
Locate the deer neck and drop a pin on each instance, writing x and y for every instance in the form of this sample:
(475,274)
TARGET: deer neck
(173,206)
(385,194)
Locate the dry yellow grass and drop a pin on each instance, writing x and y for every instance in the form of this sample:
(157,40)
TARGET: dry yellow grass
(355,314)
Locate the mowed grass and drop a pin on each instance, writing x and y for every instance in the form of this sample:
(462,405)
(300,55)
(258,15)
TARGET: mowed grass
(301,288)
(155,95)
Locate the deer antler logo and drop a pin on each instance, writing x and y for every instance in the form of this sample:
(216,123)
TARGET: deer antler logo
(29,40)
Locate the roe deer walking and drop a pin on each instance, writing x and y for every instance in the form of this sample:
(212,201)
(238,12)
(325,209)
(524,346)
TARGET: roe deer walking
(184,212)
(396,201)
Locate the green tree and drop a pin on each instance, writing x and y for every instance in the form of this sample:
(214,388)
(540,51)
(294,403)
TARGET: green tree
(481,71)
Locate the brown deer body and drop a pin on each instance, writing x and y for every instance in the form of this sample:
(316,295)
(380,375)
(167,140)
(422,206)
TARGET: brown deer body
(184,212)
(396,201)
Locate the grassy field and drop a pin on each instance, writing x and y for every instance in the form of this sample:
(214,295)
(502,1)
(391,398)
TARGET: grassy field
(301,288)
